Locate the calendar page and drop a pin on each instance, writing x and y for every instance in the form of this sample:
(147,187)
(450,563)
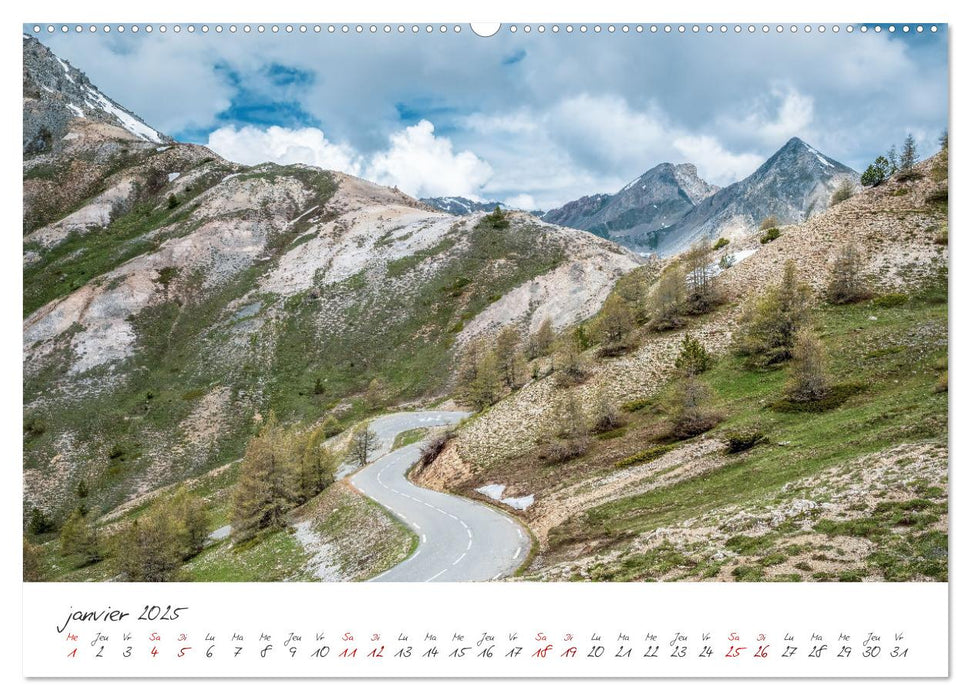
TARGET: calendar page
(436,349)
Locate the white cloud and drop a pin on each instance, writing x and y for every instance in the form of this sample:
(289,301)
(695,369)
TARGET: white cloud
(251,145)
(425,165)
(716,163)
(417,162)
(521,201)
(774,119)
(604,130)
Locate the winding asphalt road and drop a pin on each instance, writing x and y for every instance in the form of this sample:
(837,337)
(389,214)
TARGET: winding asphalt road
(459,539)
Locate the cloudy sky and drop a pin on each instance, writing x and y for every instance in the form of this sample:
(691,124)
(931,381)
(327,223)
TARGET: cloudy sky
(532,119)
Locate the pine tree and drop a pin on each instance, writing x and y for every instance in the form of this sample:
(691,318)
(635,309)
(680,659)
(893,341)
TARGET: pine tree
(666,303)
(843,191)
(769,325)
(614,326)
(893,161)
(877,172)
(689,409)
(542,340)
(148,550)
(40,523)
(569,433)
(486,388)
(569,363)
(31,562)
(264,492)
(316,466)
(693,358)
(376,394)
(908,155)
(509,360)
(808,381)
(188,522)
(80,539)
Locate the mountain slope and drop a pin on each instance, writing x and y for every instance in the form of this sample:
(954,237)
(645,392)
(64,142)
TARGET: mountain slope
(796,182)
(173,299)
(655,200)
(854,492)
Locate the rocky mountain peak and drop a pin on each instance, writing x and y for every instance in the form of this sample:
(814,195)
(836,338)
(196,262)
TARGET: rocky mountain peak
(55,94)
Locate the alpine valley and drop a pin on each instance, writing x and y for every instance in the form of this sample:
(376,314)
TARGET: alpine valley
(676,381)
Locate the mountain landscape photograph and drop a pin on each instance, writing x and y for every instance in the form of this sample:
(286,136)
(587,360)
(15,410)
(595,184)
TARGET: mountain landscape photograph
(356,307)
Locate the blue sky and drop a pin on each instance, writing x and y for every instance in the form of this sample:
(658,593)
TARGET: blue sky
(532,119)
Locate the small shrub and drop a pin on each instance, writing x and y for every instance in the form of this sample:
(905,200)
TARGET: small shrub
(888,301)
(720,243)
(433,448)
(768,222)
(837,395)
(611,434)
(937,198)
(770,235)
(636,404)
(605,416)
(843,191)
(688,409)
(331,426)
(173,201)
(40,523)
(497,219)
(743,440)
(648,455)
(909,176)
(34,427)
(693,358)
(748,573)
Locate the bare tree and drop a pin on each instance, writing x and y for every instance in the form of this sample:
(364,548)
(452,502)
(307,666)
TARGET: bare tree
(667,300)
(847,284)
(363,445)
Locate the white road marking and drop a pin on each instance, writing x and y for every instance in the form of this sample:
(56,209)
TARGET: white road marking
(516,555)
(436,575)
(424,538)
(416,525)
(461,557)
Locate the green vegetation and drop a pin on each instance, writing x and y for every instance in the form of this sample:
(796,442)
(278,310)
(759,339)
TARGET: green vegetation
(770,323)
(648,455)
(693,357)
(897,404)
(843,191)
(720,243)
(409,437)
(847,284)
(281,470)
(770,235)
(152,547)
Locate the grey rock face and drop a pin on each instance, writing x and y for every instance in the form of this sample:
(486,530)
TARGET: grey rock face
(792,185)
(55,93)
(655,200)
(669,207)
